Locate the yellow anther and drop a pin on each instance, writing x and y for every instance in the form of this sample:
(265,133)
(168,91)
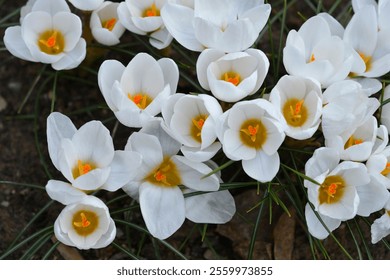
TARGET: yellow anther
(386,171)
(83,168)
(152,11)
(83,223)
(312,58)
(352,141)
(141,100)
(232,77)
(109,24)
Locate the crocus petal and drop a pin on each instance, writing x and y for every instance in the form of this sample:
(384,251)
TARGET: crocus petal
(63,192)
(70,26)
(205,58)
(315,226)
(170,71)
(92,180)
(109,72)
(106,238)
(178,20)
(15,44)
(214,208)
(263,167)
(124,167)
(163,209)
(94,143)
(73,58)
(59,126)
(193,174)
(198,155)
(51,7)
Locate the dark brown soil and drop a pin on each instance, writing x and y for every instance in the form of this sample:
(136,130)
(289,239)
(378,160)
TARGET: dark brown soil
(25,168)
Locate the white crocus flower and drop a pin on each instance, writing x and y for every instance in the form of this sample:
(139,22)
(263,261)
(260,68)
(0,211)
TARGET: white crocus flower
(136,92)
(299,102)
(314,51)
(346,106)
(250,131)
(225,25)
(86,158)
(232,77)
(50,34)
(335,199)
(86,5)
(85,224)
(104,24)
(378,165)
(355,145)
(192,120)
(381,226)
(385,113)
(162,179)
(362,34)
(143,17)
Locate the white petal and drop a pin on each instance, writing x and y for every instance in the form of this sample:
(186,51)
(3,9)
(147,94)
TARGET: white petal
(380,228)
(70,26)
(233,145)
(195,154)
(205,58)
(178,20)
(58,126)
(149,147)
(15,44)
(109,72)
(345,208)
(63,192)
(193,174)
(263,167)
(106,238)
(170,71)
(94,143)
(86,5)
(73,58)
(124,167)
(161,38)
(214,208)
(51,7)
(315,226)
(373,197)
(92,180)
(163,209)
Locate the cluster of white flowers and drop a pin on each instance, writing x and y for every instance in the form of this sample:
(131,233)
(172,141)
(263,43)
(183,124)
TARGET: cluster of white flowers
(330,89)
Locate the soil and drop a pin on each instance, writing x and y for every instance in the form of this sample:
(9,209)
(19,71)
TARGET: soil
(25,168)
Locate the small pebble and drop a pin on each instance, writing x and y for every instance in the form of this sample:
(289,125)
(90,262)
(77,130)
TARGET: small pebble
(5,203)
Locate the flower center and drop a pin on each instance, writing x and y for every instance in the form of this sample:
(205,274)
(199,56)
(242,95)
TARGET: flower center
(196,127)
(253,133)
(295,112)
(82,168)
(51,42)
(152,11)
(352,141)
(367,61)
(85,222)
(109,24)
(331,189)
(312,58)
(232,77)
(386,171)
(166,175)
(140,99)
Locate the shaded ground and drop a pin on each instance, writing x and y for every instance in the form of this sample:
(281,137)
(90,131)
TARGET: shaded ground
(25,168)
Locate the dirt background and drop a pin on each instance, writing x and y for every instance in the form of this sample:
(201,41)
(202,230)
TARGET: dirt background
(24,164)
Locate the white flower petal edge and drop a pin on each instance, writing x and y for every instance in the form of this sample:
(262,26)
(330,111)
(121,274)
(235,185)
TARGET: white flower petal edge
(316,228)
(86,5)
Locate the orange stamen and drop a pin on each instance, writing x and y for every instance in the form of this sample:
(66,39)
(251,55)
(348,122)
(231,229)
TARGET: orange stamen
(312,58)
(386,171)
(83,168)
(233,78)
(84,221)
(110,24)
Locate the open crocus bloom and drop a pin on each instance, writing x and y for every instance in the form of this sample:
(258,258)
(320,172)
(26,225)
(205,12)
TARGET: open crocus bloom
(381,226)
(50,34)
(86,158)
(86,5)
(250,131)
(232,77)
(314,51)
(192,120)
(85,224)
(299,102)
(135,93)
(225,25)
(335,199)
(346,107)
(373,59)
(105,27)
(162,179)
(143,17)
(358,144)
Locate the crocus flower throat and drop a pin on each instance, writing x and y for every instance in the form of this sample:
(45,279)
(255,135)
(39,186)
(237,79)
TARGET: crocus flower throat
(51,42)
(331,189)
(85,222)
